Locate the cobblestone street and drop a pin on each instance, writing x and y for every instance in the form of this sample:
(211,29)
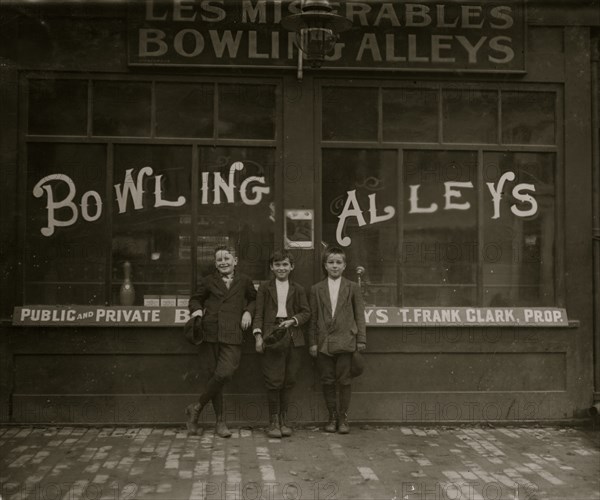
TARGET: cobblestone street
(408,463)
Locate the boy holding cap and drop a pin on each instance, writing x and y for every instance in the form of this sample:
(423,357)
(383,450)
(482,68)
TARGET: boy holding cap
(337,330)
(225,299)
(281,308)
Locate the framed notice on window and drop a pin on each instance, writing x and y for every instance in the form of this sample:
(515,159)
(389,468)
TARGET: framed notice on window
(299,229)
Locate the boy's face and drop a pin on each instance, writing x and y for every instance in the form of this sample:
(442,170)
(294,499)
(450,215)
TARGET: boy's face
(282,269)
(335,265)
(225,262)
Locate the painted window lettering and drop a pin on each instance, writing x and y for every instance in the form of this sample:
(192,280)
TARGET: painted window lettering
(52,206)
(526,207)
(129,195)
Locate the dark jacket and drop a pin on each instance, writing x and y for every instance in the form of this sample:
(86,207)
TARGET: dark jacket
(266,309)
(341,332)
(223,308)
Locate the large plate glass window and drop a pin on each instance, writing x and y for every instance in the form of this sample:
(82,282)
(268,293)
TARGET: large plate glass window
(143,178)
(66,225)
(236,207)
(353,179)
(448,195)
(151,219)
(438,254)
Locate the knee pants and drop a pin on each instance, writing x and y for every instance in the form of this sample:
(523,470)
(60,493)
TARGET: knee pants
(335,368)
(220,361)
(281,368)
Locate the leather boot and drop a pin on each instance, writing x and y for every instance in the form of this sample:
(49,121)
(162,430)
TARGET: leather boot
(274,430)
(331,425)
(284,403)
(343,427)
(330,402)
(273,401)
(286,430)
(345,396)
(192,412)
(222,430)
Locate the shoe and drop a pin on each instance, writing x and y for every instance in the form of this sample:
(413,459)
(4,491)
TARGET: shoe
(274,431)
(286,430)
(343,427)
(331,426)
(192,412)
(222,430)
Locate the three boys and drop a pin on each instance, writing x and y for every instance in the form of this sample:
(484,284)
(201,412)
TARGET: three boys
(227,300)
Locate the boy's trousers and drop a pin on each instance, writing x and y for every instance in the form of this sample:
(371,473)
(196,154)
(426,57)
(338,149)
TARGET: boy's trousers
(335,368)
(281,368)
(219,362)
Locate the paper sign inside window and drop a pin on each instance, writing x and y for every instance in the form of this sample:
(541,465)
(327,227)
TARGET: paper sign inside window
(299,229)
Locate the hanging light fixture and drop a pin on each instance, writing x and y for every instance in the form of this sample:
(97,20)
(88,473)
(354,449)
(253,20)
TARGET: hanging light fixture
(317,29)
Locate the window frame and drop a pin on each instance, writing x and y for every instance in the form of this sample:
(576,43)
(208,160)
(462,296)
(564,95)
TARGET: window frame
(438,85)
(109,142)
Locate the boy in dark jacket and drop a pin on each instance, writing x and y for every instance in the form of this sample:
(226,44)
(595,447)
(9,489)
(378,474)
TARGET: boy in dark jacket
(337,329)
(225,300)
(281,308)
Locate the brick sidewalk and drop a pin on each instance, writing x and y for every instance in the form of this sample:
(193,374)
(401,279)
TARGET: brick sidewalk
(408,463)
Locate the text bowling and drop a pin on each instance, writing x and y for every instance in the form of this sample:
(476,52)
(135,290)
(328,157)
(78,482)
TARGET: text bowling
(250,191)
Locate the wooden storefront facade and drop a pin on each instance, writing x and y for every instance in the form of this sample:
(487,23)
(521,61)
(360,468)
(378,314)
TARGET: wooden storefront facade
(449,149)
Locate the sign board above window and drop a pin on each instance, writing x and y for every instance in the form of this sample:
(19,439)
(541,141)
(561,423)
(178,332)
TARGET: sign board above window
(396,36)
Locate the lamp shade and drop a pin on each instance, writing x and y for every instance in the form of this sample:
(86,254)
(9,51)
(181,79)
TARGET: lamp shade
(316,29)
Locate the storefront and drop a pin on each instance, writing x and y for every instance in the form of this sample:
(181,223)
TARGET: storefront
(447,147)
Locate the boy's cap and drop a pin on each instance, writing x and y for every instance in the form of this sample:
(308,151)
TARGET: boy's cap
(193,331)
(358,364)
(278,339)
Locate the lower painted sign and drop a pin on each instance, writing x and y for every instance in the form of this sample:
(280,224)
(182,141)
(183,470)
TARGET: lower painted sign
(466,316)
(99,316)
(375,316)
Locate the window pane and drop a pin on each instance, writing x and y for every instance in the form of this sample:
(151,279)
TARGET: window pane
(528,118)
(470,116)
(518,255)
(122,108)
(349,114)
(242,217)
(436,295)
(363,173)
(62,293)
(65,260)
(184,110)
(439,245)
(152,235)
(58,107)
(410,115)
(247,111)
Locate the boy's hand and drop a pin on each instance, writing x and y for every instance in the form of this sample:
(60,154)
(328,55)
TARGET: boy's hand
(259,344)
(246,320)
(313,351)
(361,347)
(287,323)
